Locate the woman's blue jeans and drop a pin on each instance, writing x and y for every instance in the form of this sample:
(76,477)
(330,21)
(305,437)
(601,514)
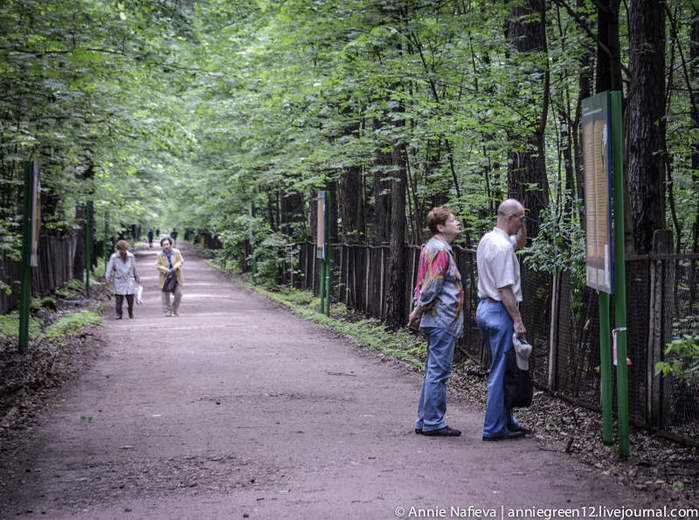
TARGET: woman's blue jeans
(432,405)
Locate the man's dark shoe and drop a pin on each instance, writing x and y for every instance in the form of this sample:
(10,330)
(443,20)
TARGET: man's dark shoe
(524,430)
(418,431)
(505,436)
(442,432)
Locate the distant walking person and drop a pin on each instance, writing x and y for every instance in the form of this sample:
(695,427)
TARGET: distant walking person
(173,235)
(439,303)
(498,316)
(122,265)
(169,265)
(150,238)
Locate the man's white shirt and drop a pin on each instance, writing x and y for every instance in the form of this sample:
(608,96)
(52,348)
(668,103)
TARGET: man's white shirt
(498,265)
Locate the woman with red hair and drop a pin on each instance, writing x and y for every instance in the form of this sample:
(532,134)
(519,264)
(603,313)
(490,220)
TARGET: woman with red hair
(439,310)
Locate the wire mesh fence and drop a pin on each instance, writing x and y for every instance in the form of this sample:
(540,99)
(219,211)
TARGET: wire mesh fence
(562,321)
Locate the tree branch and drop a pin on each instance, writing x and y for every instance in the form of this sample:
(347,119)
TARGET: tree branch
(692,97)
(592,35)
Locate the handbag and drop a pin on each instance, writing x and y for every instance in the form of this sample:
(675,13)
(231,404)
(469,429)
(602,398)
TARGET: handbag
(170,283)
(139,294)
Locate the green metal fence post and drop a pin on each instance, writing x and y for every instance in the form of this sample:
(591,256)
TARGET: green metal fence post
(322,286)
(606,369)
(88,245)
(26,287)
(620,274)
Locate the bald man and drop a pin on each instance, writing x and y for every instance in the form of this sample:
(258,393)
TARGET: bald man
(500,292)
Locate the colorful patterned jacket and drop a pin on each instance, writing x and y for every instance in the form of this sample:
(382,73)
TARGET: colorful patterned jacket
(439,290)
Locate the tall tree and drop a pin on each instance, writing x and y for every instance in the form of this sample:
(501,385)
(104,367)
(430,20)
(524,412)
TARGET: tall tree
(646,120)
(350,195)
(383,163)
(527,180)
(694,53)
(395,304)
(352,204)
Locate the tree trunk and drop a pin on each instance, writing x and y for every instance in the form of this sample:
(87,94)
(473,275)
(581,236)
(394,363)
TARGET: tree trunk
(694,53)
(382,193)
(333,238)
(646,124)
(527,180)
(585,90)
(292,215)
(79,258)
(80,213)
(608,57)
(273,209)
(350,200)
(395,304)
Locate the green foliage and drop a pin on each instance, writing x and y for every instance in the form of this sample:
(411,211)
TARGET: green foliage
(560,244)
(300,297)
(72,323)
(681,359)
(270,254)
(98,271)
(45,302)
(169,115)
(66,293)
(682,353)
(75,285)
(82,96)
(6,288)
(10,244)
(9,326)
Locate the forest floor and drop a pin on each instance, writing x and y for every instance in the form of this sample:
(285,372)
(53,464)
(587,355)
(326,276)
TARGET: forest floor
(239,409)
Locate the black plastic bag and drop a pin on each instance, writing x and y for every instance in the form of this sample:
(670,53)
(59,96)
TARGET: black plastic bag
(519,388)
(170,283)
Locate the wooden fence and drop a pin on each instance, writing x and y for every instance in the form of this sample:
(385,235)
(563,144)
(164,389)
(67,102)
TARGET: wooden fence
(56,258)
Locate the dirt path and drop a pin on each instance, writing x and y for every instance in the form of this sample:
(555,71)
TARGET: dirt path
(238,409)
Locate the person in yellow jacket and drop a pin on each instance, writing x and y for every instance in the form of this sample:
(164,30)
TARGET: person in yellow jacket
(169,263)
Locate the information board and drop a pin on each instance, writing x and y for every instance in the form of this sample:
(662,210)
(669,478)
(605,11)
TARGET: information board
(36,216)
(320,242)
(597,153)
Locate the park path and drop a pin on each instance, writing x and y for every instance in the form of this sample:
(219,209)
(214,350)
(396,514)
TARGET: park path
(238,409)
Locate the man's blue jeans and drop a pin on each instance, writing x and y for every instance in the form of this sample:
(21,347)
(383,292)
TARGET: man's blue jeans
(496,329)
(433,397)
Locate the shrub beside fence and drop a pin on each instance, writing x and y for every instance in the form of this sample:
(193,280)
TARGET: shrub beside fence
(56,258)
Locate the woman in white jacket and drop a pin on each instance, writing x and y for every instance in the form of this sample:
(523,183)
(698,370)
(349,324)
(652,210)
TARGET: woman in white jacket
(123,265)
